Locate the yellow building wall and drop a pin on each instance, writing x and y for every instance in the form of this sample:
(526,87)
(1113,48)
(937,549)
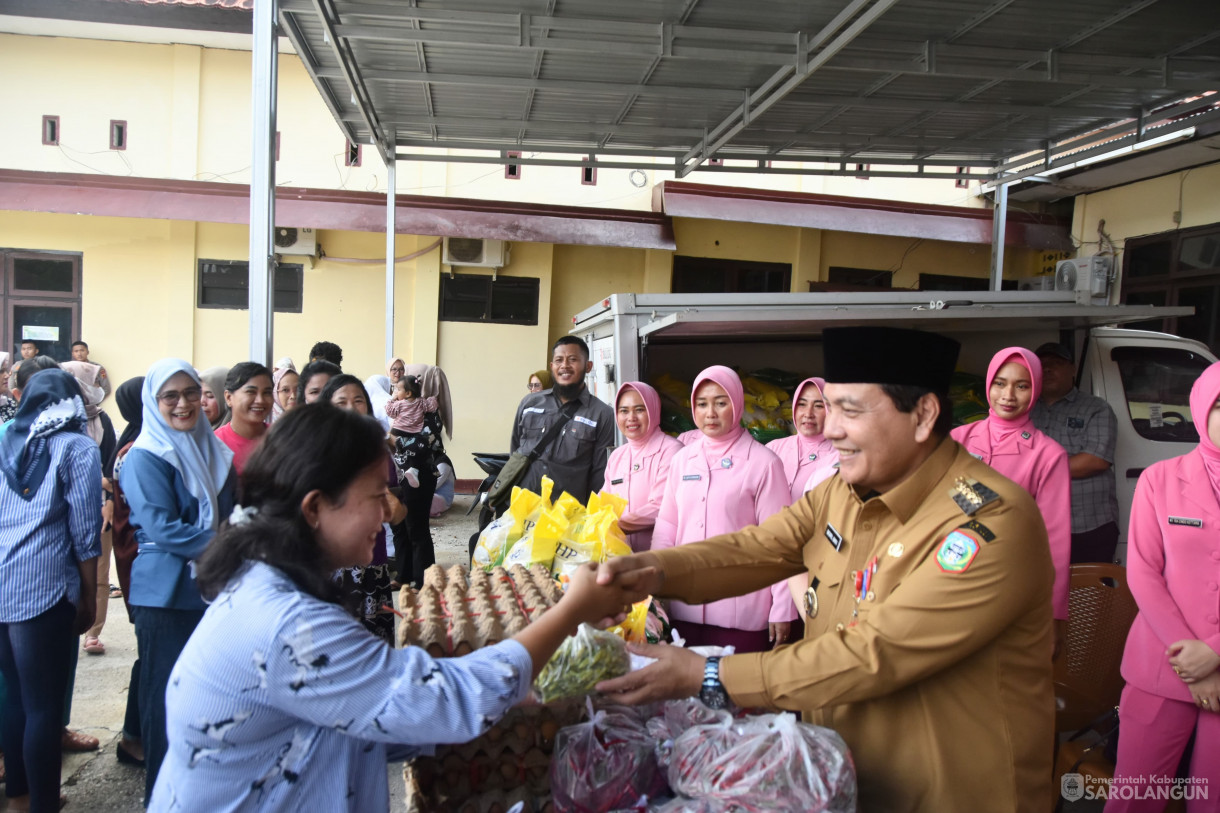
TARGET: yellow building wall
(188,114)
(583,275)
(1148,207)
(488,365)
(908,257)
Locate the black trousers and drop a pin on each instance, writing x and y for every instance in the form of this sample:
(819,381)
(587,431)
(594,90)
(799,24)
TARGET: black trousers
(413,551)
(1097,545)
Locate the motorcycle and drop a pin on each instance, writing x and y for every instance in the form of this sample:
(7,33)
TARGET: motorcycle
(491,463)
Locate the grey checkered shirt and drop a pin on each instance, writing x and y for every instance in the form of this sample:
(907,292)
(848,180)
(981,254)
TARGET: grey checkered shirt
(1084,423)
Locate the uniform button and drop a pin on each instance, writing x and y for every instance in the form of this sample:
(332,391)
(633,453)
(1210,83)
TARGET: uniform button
(1216,555)
(839,628)
(1211,619)
(868,526)
(1213,586)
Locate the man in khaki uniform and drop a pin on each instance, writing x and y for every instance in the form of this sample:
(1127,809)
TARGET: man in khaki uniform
(934,665)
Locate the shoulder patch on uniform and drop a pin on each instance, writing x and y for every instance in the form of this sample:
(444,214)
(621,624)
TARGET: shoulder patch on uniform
(979,528)
(957,552)
(971,495)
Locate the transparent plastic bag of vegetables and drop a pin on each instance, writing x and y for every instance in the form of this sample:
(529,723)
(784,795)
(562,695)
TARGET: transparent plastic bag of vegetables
(605,764)
(768,762)
(581,662)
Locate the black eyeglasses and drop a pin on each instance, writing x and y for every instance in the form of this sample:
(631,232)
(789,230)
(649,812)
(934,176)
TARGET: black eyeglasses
(191,394)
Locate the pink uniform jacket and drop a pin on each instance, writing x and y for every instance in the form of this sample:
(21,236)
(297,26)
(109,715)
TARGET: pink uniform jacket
(702,501)
(803,457)
(1173,555)
(1040,466)
(1036,463)
(639,470)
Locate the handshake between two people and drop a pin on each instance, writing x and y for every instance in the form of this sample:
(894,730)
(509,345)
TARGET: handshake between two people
(602,595)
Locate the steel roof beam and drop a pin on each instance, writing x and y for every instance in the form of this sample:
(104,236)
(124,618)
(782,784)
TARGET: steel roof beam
(524,83)
(544,42)
(310,63)
(325,11)
(827,43)
(597,27)
(647,165)
(1034,73)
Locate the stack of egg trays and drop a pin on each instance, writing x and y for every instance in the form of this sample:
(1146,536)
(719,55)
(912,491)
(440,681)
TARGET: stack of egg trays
(453,614)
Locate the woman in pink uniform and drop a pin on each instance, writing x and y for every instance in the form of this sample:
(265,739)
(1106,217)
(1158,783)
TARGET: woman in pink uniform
(1008,442)
(639,469)
(1173,650)
(808,457)
(719,483)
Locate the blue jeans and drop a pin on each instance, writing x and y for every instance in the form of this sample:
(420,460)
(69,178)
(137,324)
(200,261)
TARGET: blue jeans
(35,658)
(161,634)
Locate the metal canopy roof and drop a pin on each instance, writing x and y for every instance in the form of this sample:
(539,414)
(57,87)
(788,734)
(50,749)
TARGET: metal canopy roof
(925,85)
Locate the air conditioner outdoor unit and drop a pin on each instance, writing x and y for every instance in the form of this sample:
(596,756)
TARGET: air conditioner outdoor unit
(476,252)
(1042,283)
(292,240)
(1089,276)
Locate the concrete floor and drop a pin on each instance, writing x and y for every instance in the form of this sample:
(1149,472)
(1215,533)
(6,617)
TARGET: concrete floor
(96,782)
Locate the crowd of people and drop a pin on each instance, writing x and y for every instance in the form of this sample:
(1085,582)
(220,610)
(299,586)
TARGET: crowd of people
(907,590)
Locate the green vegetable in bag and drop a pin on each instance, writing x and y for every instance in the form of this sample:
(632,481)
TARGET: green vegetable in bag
(581,662)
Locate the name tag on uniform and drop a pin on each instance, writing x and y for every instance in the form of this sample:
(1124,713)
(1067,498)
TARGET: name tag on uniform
(533,409)
(691,477)
(1075,423)
(619,481)
(834,536)
(585,421)
(1193,523)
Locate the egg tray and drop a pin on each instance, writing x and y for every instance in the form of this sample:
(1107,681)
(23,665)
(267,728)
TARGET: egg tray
(455,613)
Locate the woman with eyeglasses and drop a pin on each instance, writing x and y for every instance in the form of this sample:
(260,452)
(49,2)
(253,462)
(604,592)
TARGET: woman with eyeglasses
(249,394)
(539,380)
(179,482)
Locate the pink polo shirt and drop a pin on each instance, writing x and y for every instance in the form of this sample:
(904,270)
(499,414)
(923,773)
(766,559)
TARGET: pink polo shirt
(1040,466)
(640,474)
(703,500)
(803,458)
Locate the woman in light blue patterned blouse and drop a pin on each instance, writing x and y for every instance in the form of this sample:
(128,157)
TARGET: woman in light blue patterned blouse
(281,700)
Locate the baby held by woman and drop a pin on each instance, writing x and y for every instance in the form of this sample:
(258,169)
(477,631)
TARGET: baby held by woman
(406,411)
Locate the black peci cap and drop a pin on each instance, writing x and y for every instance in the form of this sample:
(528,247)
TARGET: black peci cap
(889,355)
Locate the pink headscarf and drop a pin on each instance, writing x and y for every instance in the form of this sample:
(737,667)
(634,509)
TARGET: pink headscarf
(806,445)
(731,384)
(1000,431)
(652,405)
(1203,397)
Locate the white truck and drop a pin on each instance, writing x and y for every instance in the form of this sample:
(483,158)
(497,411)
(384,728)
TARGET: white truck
(1145,376)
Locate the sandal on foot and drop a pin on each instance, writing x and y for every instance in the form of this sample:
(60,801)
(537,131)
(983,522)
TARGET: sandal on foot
(93,646)
(116,592)
(126,757)
(77,742)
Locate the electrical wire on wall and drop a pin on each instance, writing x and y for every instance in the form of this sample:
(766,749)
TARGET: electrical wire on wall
(362,261)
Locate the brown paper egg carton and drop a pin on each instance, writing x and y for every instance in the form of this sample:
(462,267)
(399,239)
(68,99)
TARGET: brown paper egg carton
(455,613)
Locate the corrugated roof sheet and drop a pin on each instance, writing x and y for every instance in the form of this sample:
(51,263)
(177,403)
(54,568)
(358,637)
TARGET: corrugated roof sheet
(927,83)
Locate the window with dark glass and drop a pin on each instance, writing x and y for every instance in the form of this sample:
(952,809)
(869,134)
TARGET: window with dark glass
(483,298)
(1178,268)
(226,284)
(1156,386)
(704,275)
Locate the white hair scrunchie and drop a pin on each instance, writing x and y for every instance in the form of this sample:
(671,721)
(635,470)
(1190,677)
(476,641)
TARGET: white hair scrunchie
(241,515)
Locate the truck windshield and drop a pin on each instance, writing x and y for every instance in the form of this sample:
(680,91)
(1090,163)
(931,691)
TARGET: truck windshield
(1156,386)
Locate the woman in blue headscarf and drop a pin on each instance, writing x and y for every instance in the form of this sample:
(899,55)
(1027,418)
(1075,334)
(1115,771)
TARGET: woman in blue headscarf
(49,508)
(179,483)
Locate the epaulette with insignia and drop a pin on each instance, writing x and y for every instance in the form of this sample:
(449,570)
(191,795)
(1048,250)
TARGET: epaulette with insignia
(971,495)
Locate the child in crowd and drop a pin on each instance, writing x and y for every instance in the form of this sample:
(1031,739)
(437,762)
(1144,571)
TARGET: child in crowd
(406,411)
